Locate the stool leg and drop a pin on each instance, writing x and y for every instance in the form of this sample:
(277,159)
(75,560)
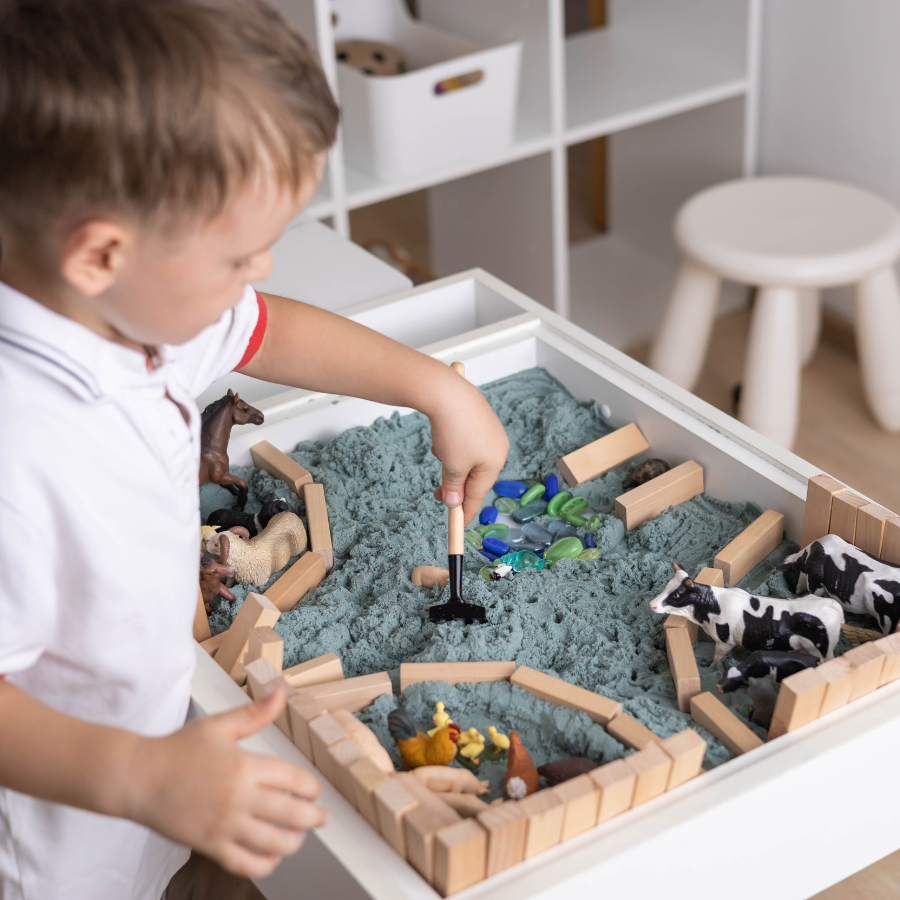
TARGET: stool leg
(679,349)
(810,323)
(878,343)
(770,397)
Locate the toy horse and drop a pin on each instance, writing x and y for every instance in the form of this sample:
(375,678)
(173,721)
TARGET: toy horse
(215,430)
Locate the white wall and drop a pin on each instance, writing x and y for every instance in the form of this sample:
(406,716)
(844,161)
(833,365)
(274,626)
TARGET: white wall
(831,95)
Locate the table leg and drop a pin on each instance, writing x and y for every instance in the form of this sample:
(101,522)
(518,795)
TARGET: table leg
(810,323)
(878,343)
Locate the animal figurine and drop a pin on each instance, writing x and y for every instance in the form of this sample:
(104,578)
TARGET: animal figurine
(440,718)
(644,472)
(833,567)
(417,749)
(255,559)
(450,780)
(500,571)
(555,773)
(215,429)
(224,519)
(370,57)
(522,777)
(206,532)
(210,586)
(365,739)
(471,745)
(500,741)
(732,617)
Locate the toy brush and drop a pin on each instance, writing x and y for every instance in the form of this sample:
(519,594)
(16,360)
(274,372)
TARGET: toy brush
(456,607)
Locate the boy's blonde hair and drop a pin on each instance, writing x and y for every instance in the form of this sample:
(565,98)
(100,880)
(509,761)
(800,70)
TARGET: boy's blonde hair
(155,110)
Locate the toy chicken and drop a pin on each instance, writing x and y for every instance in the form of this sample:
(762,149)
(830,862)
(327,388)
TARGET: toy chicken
(522,777)
(417,749)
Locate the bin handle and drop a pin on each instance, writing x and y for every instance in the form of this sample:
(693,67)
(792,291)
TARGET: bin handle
(447,85)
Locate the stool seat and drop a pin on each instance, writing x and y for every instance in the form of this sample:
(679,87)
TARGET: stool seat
(789,232)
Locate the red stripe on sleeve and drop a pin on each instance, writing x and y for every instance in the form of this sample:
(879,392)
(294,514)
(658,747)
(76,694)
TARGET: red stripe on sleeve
(259,333)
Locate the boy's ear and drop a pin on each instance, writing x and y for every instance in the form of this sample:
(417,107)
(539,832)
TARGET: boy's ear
(93,254)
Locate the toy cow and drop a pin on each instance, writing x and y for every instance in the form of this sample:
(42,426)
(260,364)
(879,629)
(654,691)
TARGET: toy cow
(833,567)
(732,617)
(253,522)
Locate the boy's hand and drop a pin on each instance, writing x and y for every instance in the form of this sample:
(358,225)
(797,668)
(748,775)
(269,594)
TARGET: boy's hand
(244,810)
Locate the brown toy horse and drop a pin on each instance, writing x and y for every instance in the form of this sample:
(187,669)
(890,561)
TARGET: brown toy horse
(215,430)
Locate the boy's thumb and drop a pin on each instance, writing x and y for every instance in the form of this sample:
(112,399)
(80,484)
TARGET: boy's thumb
(246,720)
(453,488)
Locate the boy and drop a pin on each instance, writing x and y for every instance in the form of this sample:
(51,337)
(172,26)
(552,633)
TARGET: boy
(151,151)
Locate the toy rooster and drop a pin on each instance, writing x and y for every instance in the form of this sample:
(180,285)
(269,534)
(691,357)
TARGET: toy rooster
(417,749)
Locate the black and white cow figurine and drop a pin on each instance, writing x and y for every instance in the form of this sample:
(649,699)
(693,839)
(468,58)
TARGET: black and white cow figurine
(732,617)
(833,567)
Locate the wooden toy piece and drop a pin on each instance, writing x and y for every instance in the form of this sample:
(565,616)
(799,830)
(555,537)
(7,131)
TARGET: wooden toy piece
(279,465)
(643,503)
(711,576)
(419,828)
(867,661)
(890,545)
(602,455)
(845,509)
(838,676)
(211,645)
(261,677)
(652,767)
(683,624)
(297,581)
(870,524)
(751,546)
(317,519)
(429,576)
(683,666)
(580,798)
(467,805)
(686,750)
(323,732)
(817,515)
(798,703)
(264,643)
(545,687)
(615,781)
(352,694)
(255,610)
(521,777)
(506,826)
(320,670)
(460,856)
(366,776)
(201,620)
(444,779)
(630,732)
(856,635)
(301,711)
(544,811)
(393,801)
(366,740)
(719,720)
(890,648)
(341,756)
(455,672)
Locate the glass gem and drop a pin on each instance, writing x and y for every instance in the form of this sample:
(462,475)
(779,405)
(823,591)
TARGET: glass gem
(557,503)
(487,515)
(531,511)
(513,489)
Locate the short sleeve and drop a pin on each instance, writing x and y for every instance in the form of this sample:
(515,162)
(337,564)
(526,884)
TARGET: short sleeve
(27,592)
(218,349)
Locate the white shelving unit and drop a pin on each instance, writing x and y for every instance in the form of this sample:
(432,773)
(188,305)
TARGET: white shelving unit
(672,84)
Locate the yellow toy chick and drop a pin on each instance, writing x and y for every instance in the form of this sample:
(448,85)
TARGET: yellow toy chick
(441,719)
(471,744)
(500,741)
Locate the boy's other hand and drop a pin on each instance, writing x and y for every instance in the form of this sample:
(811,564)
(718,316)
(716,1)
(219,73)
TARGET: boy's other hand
(244,810)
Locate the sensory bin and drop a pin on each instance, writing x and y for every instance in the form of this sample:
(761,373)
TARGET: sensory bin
(586,621)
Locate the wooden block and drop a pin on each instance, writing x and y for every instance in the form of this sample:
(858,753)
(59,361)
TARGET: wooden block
(352,694)
(711,576)
(870,524)
(867,661)
(602,455)
(323,732)
(599,708)
(669,489)
(682,624)
(201,620)
(419,829)
(211,645)
(683,666)
(506,826)
(751,546)
(300,578)
(890,648)
(652,767)
(686,750)
(261,675)
(615,781)
(890,545)
(279,465)
(342,756)
(838,676)
(301,711)
(544,811)
(264,643)
(319,670)
(580,798)
(718,719)
(630,732)
(820,492)
(798,703)
(392,802)
(460,856)
(317,520)
(845,509)
(455,672)
(256,610)
(366,776)
(467,805)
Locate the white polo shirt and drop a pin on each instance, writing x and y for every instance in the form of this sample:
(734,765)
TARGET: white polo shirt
(99,534)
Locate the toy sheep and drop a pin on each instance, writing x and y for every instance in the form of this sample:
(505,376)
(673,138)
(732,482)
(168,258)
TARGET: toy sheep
(255,559)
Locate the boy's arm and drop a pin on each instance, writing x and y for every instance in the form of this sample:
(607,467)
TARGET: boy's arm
(196,786)
(307,347)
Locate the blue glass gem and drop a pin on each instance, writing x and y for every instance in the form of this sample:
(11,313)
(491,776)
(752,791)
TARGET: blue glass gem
(537,534)
(487,516)
(494,545)
(489,555)
(561,529)
(551,487)
(513,489)
(514,536)
(589,540)
(530,511)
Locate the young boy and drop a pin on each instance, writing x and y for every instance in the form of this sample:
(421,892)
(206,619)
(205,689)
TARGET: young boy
(151,151)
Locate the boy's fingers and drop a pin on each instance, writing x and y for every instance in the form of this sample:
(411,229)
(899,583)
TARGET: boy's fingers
(479,483)
(264,838)
(283,776)
(282,809)
(246,720)
(453,486)
(243,862)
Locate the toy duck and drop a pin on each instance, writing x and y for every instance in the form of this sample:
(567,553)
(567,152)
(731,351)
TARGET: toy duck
(417,749)
(441,719)
(500,741)
(471,744)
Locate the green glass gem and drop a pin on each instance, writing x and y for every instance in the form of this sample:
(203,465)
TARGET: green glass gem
(473,539)
(557,502)
(593,524)
(576,520)
(590,553)
(497,530)
(485,572)
(574,506)
(533,493)
(506,505)
(565,548)
(532,482)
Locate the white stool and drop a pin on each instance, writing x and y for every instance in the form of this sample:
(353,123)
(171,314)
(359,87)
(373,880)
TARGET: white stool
(788,237)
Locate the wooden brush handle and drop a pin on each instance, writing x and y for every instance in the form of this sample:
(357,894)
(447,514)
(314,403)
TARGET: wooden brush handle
(456,522)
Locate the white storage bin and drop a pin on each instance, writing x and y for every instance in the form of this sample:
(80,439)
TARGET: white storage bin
(399,125)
